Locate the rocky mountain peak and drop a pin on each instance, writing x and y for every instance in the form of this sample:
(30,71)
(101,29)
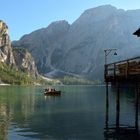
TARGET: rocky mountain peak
(99,13)
(57,28)
(59,23)
(6,55)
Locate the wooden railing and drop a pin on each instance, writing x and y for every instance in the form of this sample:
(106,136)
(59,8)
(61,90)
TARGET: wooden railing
(125,69)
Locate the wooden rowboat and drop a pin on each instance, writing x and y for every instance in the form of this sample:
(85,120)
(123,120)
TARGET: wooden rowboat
(52,92)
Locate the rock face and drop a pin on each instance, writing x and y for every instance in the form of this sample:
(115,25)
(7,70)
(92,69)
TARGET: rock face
(25,62)
(17,57)
(6,55)
(78,49)
(42,43)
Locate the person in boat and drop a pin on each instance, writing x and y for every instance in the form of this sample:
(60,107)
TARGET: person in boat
(49,89)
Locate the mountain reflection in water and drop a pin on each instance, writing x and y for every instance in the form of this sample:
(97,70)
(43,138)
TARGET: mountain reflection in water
(78,114)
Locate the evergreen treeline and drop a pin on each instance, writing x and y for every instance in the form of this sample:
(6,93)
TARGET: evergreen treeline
(68,80)
(10,75)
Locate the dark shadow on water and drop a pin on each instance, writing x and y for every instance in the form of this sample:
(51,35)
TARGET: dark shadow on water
(122,131)
(119,131)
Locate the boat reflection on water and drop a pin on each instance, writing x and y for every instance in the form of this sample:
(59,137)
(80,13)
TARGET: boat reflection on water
(48,96)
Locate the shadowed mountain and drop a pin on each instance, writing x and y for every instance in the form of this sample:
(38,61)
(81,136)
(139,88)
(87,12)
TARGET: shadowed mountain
(78,49)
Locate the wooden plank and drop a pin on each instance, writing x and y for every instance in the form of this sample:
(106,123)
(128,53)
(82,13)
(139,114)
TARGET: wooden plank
(126,69)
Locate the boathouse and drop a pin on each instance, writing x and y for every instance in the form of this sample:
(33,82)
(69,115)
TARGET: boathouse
(122,72)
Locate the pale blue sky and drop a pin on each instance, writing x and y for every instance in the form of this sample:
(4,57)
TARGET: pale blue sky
(25,16)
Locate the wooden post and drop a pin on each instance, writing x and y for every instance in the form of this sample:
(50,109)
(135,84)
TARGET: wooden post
(117,104)
(107,105)
(107,96)
(114,70)
(105,71)
(127,69)
(136,106)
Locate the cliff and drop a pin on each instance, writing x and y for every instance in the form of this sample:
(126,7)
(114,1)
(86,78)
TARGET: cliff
(14,59)
(25,62)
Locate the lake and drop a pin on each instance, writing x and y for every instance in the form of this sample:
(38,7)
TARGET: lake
(78,114)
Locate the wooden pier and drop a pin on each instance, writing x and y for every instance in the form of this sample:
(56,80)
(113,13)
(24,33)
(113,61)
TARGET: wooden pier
(126,70)
(118,73)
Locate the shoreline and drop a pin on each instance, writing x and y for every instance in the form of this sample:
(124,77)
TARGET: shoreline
(3,84)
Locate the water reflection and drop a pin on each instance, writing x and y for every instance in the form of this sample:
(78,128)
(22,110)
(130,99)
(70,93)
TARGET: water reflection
(4,122)
(119,131)
(16,105)
(78,114)
(5,118)
(27,114)
(50,97)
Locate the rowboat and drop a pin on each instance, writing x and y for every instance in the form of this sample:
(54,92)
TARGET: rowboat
(52,92)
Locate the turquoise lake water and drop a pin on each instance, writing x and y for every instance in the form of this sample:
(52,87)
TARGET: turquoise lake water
(78,114)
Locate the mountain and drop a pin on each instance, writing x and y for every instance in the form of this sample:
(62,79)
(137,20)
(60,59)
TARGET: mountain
(78,49)
(17,66)
(25,62)
(43,42)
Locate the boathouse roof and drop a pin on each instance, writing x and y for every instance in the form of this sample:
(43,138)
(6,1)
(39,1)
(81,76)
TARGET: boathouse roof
(137,32)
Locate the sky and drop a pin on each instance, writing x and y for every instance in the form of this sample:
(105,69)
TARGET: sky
(25,16)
